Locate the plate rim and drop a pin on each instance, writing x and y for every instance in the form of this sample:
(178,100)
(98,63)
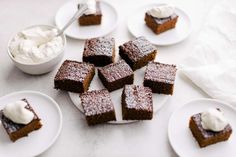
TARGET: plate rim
(186,104)
(114,26)
(167,44)
(56,135)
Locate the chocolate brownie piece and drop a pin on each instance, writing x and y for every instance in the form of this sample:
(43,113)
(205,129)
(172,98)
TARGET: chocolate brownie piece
(159,25)
(99,51)
(98,107)
(116,75)
(137,103)
(138,52)
(74,76)
(91,19)
(207,137)
(160,77)
(15,130)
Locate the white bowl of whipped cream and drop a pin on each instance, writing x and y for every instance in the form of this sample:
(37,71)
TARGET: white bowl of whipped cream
(36,49)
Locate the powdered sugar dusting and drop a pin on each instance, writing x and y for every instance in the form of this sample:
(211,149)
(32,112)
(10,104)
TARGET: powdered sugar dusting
(160,72)
(99,46)
(138,48)
(138,97)
(96,102)
(73,70)
(115,71)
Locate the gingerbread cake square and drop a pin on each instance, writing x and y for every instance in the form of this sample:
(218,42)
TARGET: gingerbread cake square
(98,107)
(99,51)
(137,103)
(116,75)
(74,76)
(160,77)
(137,52)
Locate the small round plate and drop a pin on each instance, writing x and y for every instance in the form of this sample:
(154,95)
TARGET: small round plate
(158,99)
(37,141)
(181,138)
(137,27)
(109,21)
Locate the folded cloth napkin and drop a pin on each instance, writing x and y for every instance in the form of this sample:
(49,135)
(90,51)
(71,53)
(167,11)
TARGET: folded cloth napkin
(212,65)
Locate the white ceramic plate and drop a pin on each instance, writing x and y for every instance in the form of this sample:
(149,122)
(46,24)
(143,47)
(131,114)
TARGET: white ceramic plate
(137,27)
(182,140)
(37,141)
(109,21)
(158,99)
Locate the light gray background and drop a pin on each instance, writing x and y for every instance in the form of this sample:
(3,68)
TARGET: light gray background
(147,138)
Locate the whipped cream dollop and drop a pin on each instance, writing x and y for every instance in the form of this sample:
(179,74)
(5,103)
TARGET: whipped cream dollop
(35,45)
(17,112)
(213,120)
(162,11)
(91,6)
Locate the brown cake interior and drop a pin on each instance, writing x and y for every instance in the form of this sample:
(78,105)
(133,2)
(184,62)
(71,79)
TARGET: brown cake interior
(100,118)
(160,87)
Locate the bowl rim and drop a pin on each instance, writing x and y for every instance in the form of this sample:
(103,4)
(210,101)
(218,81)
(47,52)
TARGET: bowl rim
(45,61)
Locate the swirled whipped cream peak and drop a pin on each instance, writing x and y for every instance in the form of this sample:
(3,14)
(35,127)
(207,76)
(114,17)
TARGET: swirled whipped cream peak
(36,45)
(214,120)
(17,112)
(91,4)
(162,11)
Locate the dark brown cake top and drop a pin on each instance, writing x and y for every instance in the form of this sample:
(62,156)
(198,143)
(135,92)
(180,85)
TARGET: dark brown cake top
(208,133)
(116,71)
(96,102)
(73,70)
(138,48)
(138,97)
(103,46)
(160,72)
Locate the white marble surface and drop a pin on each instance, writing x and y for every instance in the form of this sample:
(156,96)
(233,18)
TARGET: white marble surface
(77,139)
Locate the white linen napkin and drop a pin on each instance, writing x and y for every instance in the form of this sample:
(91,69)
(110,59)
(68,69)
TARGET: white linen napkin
(212,65)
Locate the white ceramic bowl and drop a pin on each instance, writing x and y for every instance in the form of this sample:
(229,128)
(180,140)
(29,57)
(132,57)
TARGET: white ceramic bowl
(42,67)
